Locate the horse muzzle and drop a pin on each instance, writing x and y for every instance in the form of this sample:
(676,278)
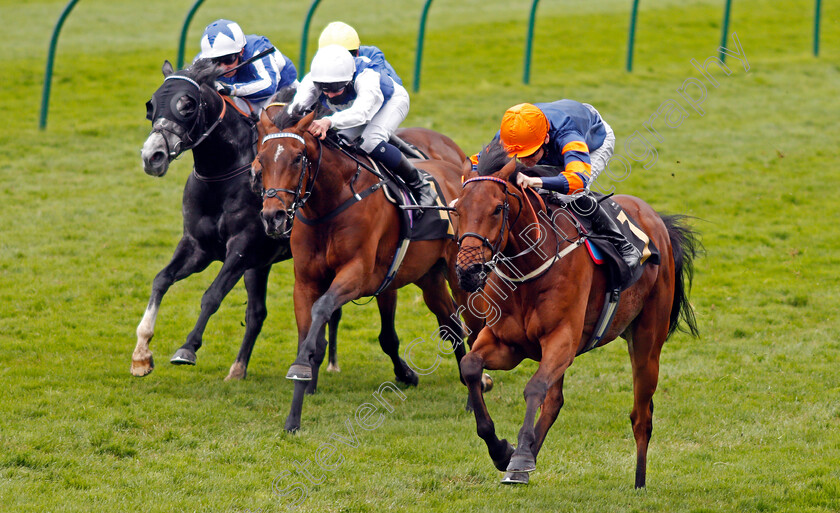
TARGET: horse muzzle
(277,223)
(472,277)
(155,155)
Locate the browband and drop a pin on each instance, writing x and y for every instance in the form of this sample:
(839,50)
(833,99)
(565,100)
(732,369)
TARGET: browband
(280,135)
(179,77)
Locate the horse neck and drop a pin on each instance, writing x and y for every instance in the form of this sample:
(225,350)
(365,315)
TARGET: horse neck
(331,185)
(523,235)
(229,145)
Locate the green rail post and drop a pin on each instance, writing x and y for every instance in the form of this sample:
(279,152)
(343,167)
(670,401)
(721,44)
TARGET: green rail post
(183,40)
(631,37)
(817,29)
(421,35)
(45,99)
(305,37)
(723,34)
(529,43)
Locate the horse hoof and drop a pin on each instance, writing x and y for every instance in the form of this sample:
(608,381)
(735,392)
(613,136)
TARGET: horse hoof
(486,383)
(522,463)
(515,478)
(140,368)
(183,357)
(237,372)
(291,427)
(411,379)
(503,462)
(333,368)
(298,372)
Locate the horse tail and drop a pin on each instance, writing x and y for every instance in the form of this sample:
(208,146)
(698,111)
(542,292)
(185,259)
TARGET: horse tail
(685,244)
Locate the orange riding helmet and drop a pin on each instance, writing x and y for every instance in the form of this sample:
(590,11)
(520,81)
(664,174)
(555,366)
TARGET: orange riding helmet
(523,131)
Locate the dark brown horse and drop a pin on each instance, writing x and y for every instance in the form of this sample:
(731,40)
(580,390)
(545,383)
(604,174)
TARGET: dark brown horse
(550,316)
(343,248)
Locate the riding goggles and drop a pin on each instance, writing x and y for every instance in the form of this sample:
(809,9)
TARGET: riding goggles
(227,60)
(331,87)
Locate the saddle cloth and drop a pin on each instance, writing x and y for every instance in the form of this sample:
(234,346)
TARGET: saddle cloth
(603,251)
(434,224)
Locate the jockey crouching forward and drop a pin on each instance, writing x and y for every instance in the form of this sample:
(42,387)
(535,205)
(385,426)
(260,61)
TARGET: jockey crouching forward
(225,44)
(366,102)
(342,34)
(561,134)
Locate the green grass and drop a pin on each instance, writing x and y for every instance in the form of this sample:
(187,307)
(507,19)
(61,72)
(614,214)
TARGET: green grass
(747,417)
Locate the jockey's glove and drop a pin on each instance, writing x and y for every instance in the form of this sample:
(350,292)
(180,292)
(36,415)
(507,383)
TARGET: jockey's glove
(225,89)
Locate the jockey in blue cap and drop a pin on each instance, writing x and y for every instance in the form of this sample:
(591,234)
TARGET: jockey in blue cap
(224,43)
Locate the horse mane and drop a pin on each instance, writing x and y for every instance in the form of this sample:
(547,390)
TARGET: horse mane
(286,118)
(203,71)
(493,158)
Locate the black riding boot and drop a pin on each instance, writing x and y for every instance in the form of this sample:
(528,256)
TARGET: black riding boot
(420,188)
(606,227)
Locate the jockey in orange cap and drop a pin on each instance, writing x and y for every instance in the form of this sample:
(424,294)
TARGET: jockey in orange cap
(572,137)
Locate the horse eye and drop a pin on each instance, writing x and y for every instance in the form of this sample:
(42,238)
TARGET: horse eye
(498,210)
(185,106)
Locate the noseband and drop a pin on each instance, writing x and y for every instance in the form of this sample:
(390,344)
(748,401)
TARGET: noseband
(298,199)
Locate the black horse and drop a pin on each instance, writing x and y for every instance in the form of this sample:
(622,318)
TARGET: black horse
(221,213)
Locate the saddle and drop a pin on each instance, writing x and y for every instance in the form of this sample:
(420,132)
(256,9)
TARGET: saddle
(434,224)
(603,252)
(428,227)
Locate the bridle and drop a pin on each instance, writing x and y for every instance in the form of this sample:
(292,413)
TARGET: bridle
(186,139)
(497,257)
(306,179)
(485,242)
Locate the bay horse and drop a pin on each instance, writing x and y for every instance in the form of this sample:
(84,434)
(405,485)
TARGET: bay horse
(221,214)
(345,242)
(550,317)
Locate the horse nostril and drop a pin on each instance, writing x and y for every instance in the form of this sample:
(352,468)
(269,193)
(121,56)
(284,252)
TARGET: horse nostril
(157,158)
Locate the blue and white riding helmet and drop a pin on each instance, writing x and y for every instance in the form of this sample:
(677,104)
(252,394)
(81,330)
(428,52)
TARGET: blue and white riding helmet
(222,37)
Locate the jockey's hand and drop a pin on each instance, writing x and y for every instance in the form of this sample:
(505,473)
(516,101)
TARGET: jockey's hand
(528,181)
(224,89)
(319,127)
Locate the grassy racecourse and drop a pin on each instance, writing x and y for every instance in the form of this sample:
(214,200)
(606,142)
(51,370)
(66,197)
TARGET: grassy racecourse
(747,417)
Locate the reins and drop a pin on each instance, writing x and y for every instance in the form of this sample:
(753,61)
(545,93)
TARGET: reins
(497,256)
(298,202)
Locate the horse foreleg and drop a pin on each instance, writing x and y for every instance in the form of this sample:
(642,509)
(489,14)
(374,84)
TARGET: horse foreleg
(312,315)
(232,270)
(556,358)
(388,339)
(256,282)
(488,353)
(333,342)
(548,414)
(187,259)
(317,360)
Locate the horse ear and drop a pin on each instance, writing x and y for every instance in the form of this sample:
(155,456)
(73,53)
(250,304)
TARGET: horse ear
(466,167)
(304,123)
(167,68)
(507,171)
(264,125)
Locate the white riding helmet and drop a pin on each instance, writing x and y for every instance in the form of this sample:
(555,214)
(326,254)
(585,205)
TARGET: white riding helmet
(332,64)
(339,33)
(222,37)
